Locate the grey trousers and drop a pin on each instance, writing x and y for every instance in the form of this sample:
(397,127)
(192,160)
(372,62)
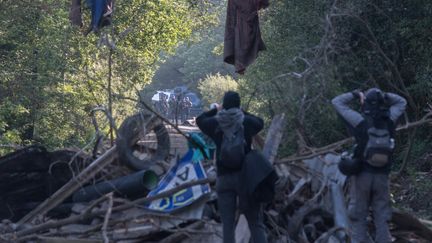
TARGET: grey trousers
(370,190)
(227,192)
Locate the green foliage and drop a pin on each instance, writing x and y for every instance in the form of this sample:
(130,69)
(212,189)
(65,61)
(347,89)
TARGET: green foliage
(51,76)
(316,50)
(285,79)
(57,75)
(196,58)
(213,87)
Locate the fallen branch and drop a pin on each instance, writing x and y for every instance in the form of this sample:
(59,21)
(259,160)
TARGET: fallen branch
(83,217)
(339,144)
(407,152)
(183,233)
(408,222)
(107,217)
(319,151)
(66,190)
(273,138)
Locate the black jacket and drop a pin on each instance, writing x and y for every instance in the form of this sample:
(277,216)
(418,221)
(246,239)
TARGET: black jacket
(209,125)
(358,124)
(259,178)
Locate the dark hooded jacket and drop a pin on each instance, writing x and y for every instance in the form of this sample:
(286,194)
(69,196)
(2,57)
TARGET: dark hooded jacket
(242,33)
(358,124)
(259,178)
(208,124)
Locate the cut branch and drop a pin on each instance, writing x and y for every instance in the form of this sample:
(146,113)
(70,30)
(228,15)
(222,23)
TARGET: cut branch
(88,215)
(65,191)
(427,119)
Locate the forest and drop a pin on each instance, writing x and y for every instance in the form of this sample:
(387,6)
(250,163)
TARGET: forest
(53,74)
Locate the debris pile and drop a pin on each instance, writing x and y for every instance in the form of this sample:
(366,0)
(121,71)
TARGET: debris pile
(168,195)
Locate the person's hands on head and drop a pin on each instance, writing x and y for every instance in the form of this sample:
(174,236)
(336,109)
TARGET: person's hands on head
(359,95)
(219,107)
(362,97)
(215,106)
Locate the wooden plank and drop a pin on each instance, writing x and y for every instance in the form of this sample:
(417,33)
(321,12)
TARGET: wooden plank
(133,232)
(274,137)
(183,233)
(340,214)
(43,239)
(87,215)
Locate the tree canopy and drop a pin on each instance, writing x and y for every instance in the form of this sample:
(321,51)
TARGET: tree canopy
(52,75)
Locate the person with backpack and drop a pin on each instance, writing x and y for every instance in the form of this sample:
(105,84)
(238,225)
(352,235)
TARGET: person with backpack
(373,129)
(232,130)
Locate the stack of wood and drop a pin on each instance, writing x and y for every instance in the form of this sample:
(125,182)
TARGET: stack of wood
(310,207)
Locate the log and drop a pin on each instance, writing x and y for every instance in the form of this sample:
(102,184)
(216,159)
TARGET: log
(43,239)
(133,232)
(427,119)
(297,189)
(274,137)
(88,215)
(407,222)
(183,233)
(340,214)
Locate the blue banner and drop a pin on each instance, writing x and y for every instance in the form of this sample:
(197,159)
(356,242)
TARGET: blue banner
(188,168)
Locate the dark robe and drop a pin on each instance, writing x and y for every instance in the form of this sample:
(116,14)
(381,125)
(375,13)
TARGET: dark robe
(242,33)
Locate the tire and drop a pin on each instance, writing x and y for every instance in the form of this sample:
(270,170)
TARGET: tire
(132,130)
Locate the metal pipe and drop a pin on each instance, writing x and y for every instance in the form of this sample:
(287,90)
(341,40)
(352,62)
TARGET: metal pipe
(130,186)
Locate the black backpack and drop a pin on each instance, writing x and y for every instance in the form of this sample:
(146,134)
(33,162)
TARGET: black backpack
(379,146)
(232,150)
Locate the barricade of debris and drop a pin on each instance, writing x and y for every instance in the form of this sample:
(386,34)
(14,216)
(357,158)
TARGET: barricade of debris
(154,185)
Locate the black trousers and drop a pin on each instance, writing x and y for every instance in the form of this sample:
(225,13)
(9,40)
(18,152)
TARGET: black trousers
(370,191)
(227,192)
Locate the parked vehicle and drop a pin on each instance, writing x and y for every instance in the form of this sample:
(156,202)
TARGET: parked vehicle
(156,96)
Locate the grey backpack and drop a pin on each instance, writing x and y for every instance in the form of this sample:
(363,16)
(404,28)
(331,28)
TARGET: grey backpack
(379,147)
(232,151)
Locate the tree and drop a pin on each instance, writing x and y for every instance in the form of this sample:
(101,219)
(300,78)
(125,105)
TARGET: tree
(57,75)
(316,50)
(195,58)
(213,87)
